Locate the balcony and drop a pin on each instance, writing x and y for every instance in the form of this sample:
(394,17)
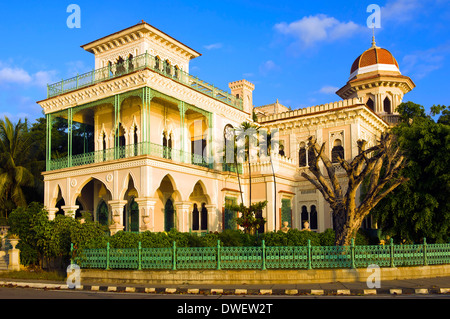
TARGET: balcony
(127,151)
(140,62)
(391,119)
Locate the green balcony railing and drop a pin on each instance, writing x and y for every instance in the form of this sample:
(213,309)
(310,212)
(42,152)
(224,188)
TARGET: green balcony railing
(140,62)
(264,257)
(144,148)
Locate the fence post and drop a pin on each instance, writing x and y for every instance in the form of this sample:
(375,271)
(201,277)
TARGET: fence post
(352,252)
(107,256)
(309,254)
(263,255)
(391,252)
(425,261)
(174,267)
(218,254)
(139,256)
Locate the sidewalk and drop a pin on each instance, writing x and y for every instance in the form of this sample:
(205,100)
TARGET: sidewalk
(438,285)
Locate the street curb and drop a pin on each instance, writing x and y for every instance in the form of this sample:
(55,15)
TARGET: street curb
(235,291)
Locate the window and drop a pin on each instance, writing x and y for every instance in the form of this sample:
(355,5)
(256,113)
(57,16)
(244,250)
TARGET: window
(204,217)
(135,141)
(167,67)
(120,66)
(229,215)
(157,63)
(370,104)
(337,151)
(309,216)
(302,161)
(281,148)
(175,71)
(167,145)
(286,212)
(130,63)
(195,218)
(387,105)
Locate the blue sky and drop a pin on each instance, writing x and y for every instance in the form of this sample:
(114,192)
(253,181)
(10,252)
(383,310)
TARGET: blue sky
(298,52)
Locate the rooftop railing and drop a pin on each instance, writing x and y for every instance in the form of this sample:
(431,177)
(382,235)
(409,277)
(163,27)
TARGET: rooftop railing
(141,62)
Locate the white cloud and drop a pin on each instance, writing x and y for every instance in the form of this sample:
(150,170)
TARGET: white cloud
(328,89)
(15,75)
(313,29)
(400,10)
(421,63)
(213,46)
(267,67)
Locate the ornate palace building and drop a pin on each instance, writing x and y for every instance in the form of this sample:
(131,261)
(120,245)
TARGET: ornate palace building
(139,142)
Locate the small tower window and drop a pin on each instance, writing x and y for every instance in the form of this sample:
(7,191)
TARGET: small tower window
(387,105)
(370,104)
(337,151)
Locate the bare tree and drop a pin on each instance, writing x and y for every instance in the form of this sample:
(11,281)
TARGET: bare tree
(378,166)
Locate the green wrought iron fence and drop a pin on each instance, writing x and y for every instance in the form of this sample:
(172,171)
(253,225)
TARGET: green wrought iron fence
(138,63)
(263,257)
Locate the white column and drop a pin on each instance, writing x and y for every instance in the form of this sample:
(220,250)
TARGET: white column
(51,213)
(70,210)
(183,213)
(213,218)
(146,213)
(117,215)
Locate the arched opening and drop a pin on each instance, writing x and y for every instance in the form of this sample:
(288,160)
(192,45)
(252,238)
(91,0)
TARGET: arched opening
(167,145)
(164,210)
(167,67)
(120,66)
(199,210)
(337,151)
(370,104)
(313,217)
(131,209)
(130,63)
(93,197)
(102,213)
(136,142)
(157,63)
(387,105)
(304,216)
(198,133)
(169,215)
(302,155)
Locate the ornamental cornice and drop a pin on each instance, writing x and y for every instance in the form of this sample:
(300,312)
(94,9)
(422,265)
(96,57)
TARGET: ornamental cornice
(328,119)
(136,80)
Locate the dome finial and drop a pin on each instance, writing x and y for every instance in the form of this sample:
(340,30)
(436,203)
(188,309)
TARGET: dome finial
(373,38)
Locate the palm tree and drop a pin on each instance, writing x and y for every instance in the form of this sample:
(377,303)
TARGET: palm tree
(269,140)
(14,154)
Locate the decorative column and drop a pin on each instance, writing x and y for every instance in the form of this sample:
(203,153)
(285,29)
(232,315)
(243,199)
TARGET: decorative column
(183,221)
(146,213)
(69,136)
(70,211)
(48,144)
(213,218)
(51,213)
(117,215)
(182,110)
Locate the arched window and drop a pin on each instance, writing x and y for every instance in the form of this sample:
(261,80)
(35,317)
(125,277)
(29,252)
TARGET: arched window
(175,71)
(302,155)
(195,218)
(387,105)
(370,104)
(130,63)
(167,67)
(337,151)
(313,217)
(120,66)
(304,216)
(102,213)
(204,217)
(135,137)
(104,146)
(311,156)
(157,63)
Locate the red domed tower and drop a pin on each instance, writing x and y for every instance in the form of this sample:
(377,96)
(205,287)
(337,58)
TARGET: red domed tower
(376,78)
